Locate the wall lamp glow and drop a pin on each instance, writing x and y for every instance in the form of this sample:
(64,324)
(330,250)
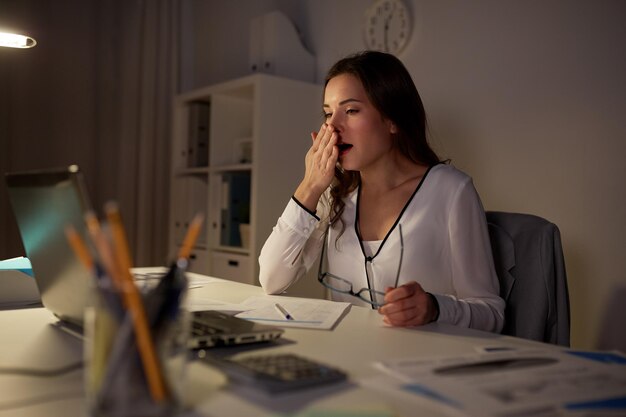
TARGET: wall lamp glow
(13,40)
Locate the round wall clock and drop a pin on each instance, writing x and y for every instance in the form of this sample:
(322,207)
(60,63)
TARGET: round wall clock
(387,26)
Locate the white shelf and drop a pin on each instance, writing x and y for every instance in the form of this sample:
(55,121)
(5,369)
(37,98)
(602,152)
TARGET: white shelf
(192,171)
(262,119)
(233,167)
(213,169)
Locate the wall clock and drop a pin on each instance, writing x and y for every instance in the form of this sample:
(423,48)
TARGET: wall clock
(387,26)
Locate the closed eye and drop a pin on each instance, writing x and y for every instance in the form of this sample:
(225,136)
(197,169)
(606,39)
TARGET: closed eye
(352,111)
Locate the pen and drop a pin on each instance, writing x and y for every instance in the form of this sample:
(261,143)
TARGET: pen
(282,311)
(494,365)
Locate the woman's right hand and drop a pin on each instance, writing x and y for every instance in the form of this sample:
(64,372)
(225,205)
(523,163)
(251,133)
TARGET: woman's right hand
(320,164)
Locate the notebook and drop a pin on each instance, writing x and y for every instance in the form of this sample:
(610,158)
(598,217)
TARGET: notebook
(44,202)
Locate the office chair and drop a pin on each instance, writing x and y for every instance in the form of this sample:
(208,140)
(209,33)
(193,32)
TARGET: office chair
(529,263)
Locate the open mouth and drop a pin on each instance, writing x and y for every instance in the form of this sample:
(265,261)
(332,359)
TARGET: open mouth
(343,147)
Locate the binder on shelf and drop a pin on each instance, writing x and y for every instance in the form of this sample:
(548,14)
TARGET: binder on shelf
(191,193)
(235,206)
(198,197)
(198,143)
(180,209)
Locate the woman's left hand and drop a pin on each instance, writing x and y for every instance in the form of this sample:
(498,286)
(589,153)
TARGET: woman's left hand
(408,305)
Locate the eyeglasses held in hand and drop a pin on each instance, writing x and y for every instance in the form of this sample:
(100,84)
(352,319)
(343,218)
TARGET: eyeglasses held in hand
(343,286)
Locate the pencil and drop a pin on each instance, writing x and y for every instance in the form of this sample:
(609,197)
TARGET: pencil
(191,236)
(103,248)
(134,303)
(78,246)
(122,250)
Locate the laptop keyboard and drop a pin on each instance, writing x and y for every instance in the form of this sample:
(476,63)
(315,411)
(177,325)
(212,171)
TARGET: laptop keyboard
(199,328)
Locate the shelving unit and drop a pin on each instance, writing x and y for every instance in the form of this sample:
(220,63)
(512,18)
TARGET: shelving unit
(255,131)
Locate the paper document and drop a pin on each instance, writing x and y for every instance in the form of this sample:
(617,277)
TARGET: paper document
(17,286)
(203,304)
(305,312)
(20,263)
(517,383)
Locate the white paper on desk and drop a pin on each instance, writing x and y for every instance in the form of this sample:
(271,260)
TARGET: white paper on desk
(197,280)
(306,312)
(204,304)
(567,383)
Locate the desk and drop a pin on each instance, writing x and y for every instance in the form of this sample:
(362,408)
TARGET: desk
(30,339)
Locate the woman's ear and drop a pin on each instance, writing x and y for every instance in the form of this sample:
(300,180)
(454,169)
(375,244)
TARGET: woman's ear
(393,129)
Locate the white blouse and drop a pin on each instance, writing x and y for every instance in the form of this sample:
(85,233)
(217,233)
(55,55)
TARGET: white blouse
(446,249)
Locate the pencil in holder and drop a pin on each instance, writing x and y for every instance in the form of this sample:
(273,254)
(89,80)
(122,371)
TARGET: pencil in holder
(120,378)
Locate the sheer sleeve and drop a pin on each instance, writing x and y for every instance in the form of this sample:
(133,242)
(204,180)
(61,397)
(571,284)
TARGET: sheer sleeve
(477,303)
(292,247)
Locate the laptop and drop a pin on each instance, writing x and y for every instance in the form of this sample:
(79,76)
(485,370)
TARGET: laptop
(44,202)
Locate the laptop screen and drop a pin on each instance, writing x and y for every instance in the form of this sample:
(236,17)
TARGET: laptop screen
(44,203)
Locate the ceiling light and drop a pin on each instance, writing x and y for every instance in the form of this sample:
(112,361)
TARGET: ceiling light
(13,40)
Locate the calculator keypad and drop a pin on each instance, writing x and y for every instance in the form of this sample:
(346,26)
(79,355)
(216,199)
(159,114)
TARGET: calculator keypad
(278,372)
(287,367)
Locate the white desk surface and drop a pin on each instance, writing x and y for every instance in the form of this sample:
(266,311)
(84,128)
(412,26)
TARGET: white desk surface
(31,340)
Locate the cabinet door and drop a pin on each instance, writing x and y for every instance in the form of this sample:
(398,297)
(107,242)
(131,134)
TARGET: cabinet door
(199,261)
(231,266)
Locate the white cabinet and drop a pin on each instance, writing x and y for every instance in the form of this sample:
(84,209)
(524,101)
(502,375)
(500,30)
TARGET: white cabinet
(237,156)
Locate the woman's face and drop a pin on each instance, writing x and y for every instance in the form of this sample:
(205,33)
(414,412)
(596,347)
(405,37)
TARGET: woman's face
(364,136)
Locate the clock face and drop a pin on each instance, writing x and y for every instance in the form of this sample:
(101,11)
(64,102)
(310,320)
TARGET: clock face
(387,26)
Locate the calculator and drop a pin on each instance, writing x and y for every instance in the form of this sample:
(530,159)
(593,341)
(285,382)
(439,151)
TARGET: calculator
(275,373)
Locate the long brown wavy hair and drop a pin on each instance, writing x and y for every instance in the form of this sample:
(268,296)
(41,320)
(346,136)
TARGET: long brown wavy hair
(391,90)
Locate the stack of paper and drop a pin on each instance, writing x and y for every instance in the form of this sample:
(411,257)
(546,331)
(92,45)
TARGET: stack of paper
(17,286)
(516,383)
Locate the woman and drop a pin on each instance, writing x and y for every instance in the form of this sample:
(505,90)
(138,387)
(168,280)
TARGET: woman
(397,229)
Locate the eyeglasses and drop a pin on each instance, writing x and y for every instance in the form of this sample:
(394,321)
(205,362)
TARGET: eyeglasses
(343,286)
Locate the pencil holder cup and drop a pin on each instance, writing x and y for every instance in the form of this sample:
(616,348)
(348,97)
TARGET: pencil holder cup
(136,360)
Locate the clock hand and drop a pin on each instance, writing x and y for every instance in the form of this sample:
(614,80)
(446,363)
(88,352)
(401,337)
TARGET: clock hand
(386,33)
